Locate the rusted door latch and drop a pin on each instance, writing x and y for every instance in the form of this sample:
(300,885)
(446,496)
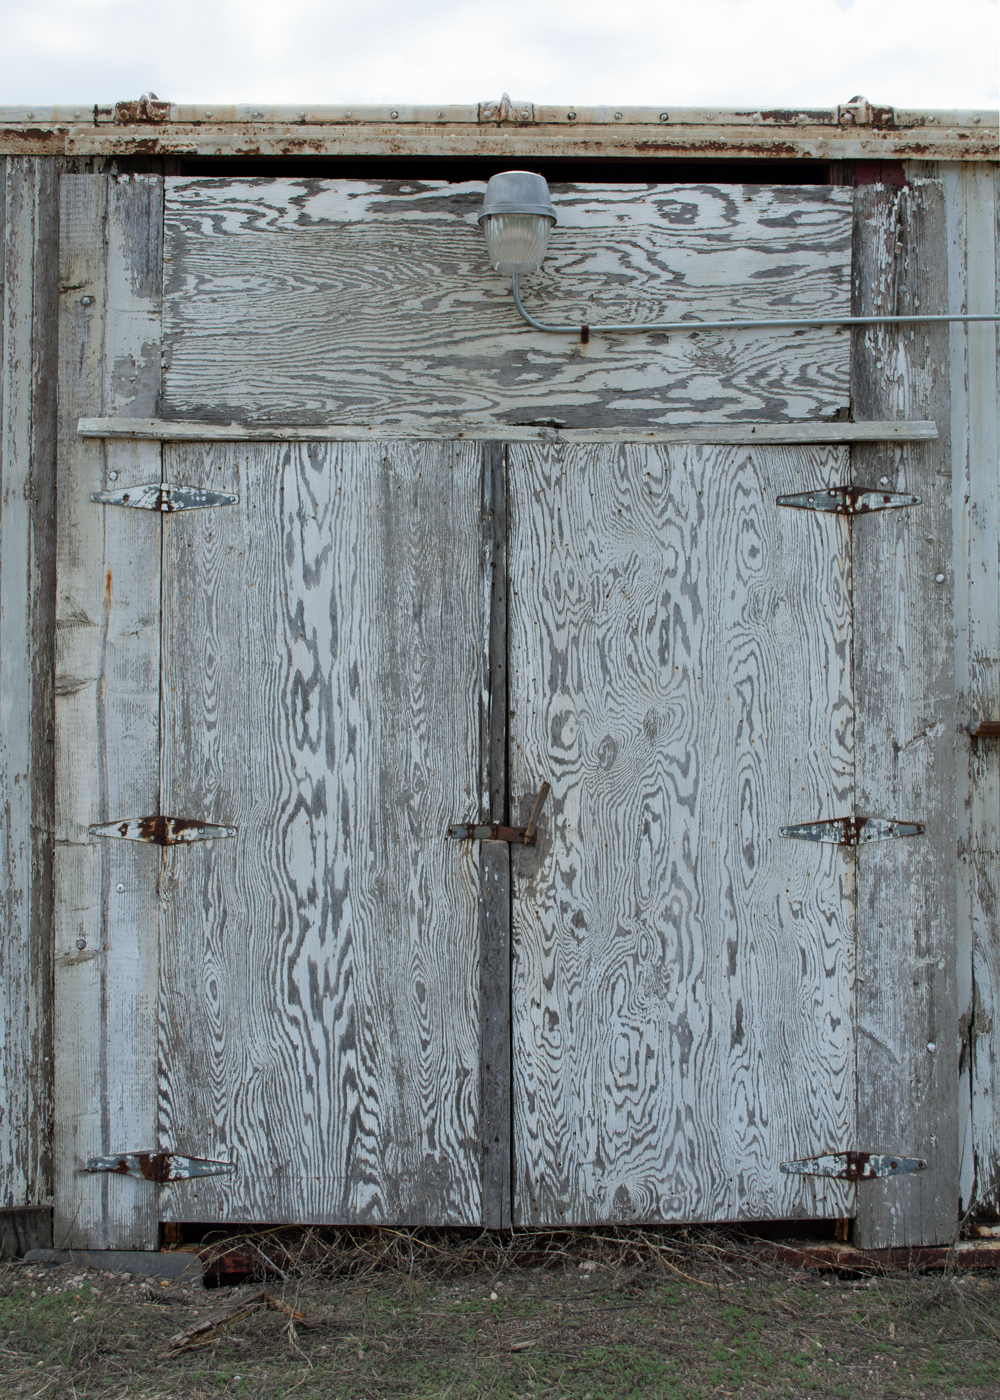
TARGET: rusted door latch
(159,1166)
(854,1166)
(162,831)
(985,729)
(851,831)
(516,835)
(162,497)
(848,500)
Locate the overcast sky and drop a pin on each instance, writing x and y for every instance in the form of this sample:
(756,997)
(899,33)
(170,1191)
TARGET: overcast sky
(913,53)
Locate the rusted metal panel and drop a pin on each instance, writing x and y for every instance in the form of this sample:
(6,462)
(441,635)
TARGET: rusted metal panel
(858,130)
(159,1166)
(851,831)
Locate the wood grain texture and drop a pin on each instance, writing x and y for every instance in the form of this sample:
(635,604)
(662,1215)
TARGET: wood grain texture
(170,430)
(972,203)
(906,722)
(107,708)
(494,918)
(28,244)
(682,985)
(323,692)
(309,301)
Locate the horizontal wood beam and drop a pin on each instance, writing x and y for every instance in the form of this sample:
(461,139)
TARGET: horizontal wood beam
(160,430)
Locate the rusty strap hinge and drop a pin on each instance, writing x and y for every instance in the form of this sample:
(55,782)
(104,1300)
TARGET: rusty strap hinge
(848,500)
(852,831)
(854,1166)
(163,497)
(162,831)
(985,729)
(516,835)
(159,1166)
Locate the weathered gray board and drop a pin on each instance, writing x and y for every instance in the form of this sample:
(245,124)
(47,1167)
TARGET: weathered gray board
(680,672)
(306,301)
(107,707)
(323,692)
(908,1034)
(972,199)
(28,243)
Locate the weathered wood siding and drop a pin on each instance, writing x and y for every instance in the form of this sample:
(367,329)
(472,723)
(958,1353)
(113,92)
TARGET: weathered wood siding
(683,977)
(28,291)
(973,201)
(107,706)
(323,652)
(306,301)
(908,1052)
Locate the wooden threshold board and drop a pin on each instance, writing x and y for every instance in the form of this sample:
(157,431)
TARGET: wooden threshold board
(160,430)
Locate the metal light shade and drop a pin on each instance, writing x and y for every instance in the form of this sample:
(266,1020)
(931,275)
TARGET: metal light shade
(517,217)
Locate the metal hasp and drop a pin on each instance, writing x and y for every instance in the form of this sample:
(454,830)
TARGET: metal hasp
(159,1166)
(854,1166)
(848,500)
(985,729)
(852,831)
(516,835)
(162,497)
(162,831)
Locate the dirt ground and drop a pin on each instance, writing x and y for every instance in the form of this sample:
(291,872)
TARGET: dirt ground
(591,1316)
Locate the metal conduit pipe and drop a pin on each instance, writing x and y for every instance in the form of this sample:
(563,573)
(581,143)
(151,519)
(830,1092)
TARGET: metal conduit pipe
(789,323)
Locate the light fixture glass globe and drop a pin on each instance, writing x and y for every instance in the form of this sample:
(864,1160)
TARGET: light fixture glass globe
(516,242)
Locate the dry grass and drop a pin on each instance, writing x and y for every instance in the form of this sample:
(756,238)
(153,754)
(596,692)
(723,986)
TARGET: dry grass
(608,1313)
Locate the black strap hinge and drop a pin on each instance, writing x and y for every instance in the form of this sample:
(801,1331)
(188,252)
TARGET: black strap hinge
(848,500)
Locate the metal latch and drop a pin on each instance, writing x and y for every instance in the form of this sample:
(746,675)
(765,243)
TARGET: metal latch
(159,1166)
(848,500)
(163,497)
(516,835)
(162,831)
(852,831)
(854,1166)
(985,729)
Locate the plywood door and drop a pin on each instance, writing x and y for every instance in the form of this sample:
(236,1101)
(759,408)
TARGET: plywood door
(680,672)
(323,663)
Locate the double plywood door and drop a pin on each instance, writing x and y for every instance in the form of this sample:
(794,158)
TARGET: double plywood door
(679,1002)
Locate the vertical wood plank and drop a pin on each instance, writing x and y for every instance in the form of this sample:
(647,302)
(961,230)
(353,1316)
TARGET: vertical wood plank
(107,711)
(28,248)
(974,273)
(323,692)
(494,1012)
(905,729)
(683,977)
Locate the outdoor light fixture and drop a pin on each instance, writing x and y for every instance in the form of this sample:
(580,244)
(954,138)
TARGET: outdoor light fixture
(517,218)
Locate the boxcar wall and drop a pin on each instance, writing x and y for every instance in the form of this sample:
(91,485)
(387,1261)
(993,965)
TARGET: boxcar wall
(453,560)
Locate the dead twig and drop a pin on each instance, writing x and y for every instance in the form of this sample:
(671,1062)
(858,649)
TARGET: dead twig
(211,1326)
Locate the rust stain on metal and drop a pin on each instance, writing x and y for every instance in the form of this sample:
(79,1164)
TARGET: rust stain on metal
(985,729)
(145,109)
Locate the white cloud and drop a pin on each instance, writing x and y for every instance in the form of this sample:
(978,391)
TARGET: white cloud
(660,52)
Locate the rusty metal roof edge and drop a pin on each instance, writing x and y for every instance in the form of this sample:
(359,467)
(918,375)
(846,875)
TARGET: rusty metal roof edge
(541,114)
